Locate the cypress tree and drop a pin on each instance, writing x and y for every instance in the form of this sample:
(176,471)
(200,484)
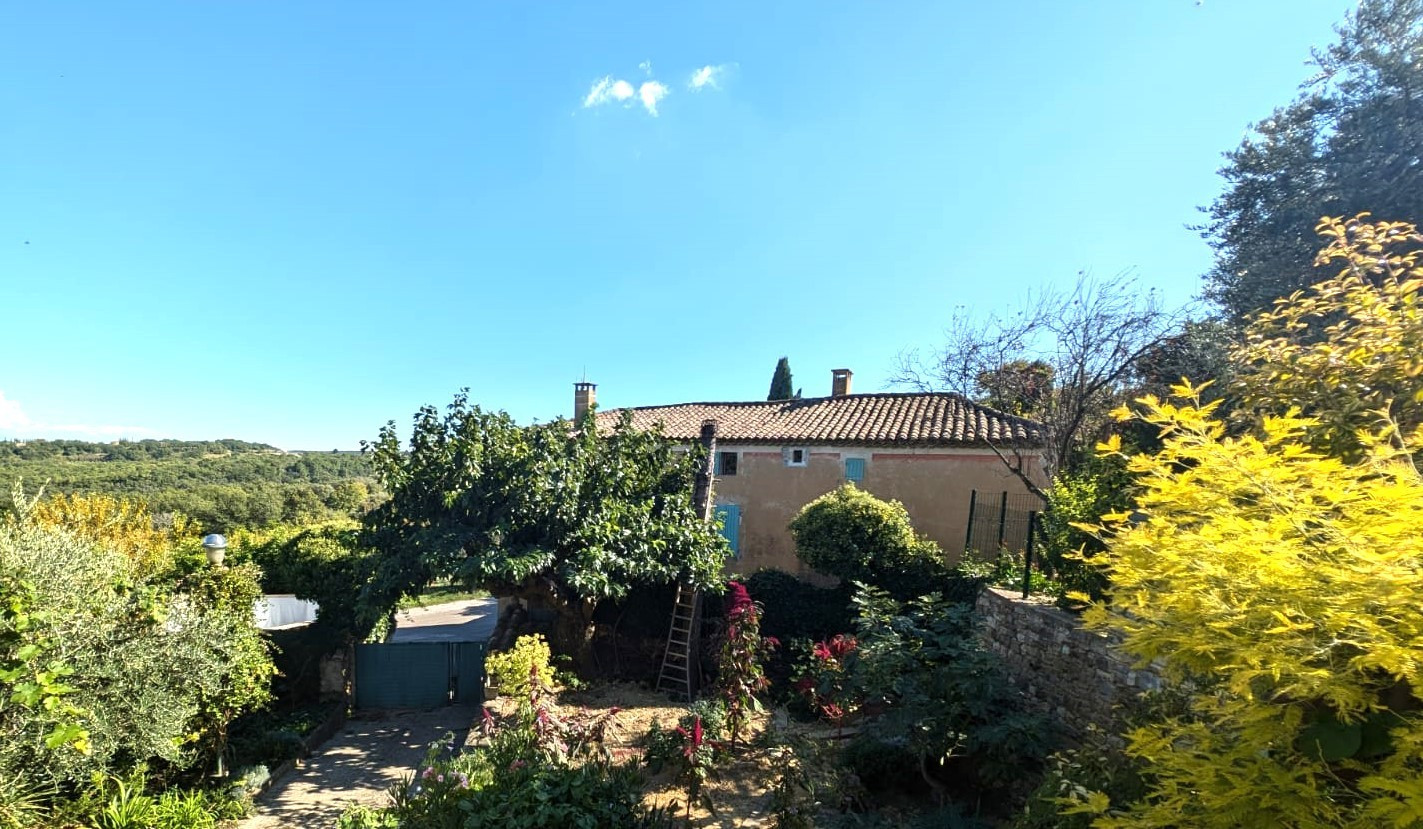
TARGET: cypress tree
(782,388)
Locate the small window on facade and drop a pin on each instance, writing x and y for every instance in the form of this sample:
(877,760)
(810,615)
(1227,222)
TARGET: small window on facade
(726,463)
(855,469)
(795,457)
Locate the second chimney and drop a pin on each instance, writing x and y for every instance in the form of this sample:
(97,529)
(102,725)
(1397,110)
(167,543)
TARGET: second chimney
(840,381)
(585,395)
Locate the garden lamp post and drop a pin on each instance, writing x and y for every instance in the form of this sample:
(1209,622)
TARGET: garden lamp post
(215,546)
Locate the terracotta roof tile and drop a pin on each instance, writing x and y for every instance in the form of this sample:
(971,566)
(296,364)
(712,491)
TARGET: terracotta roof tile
(912,419)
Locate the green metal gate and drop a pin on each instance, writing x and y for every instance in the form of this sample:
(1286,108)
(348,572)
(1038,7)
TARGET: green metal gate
(419,674)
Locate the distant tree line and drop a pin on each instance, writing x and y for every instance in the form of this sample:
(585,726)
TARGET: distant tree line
(222,485)
(126,450)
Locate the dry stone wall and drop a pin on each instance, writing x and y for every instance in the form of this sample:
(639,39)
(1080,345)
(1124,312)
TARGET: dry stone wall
(1076,675)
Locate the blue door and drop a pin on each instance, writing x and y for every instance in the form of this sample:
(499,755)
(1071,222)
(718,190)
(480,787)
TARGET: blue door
(730,517)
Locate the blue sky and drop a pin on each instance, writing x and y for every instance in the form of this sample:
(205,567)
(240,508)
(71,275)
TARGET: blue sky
(292,222)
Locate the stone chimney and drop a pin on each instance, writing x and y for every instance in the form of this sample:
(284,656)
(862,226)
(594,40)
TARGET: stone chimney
(585,394)
(840,381)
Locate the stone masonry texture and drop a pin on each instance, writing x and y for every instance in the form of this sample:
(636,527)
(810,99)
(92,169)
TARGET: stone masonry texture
(1073,674)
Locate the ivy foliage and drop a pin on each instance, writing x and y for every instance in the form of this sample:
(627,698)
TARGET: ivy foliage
(558,513)
(326,564)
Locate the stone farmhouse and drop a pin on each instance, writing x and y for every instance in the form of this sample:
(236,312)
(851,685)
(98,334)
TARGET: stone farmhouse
(928,450)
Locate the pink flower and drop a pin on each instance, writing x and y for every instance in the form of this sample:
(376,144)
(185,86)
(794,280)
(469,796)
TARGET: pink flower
(772,641)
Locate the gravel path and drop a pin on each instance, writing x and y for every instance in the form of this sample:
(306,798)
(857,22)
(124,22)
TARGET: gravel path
(358,765)
(376,751)
(469,620)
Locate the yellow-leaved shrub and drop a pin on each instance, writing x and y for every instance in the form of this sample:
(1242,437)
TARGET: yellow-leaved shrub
(1350,347)
(1278,575)
(124,525)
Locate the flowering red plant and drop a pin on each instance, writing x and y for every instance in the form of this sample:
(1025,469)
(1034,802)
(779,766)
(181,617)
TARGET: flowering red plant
(823,679)
(740,676)
(837,648)
(698,758)
(738,598)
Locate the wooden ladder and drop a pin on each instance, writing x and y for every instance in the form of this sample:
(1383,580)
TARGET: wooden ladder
(680,666)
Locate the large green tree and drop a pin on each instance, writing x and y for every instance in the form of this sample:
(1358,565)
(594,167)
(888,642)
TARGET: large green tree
(558,514)
(1351,141)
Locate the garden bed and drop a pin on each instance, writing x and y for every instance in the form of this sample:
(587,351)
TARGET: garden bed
(740,790)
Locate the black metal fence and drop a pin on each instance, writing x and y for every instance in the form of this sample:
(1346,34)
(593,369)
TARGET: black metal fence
(999,521)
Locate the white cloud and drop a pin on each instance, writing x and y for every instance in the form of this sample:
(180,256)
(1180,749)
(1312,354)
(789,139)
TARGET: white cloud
(650,93)
(14,422)
(707,76)
(12,416)
(606,90)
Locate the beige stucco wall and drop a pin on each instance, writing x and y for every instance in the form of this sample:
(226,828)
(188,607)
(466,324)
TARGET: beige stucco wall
(933,484)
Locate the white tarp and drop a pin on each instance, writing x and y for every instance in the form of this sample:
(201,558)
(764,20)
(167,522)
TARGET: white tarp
(279,611)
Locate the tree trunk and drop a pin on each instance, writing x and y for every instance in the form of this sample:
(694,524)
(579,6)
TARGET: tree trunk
(573,635)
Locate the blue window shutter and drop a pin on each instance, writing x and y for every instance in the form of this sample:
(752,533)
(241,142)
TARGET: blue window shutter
(716,464)
(855,469)
(730,517)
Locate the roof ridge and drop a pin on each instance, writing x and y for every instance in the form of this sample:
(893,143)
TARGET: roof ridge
(881,418)
(798,400)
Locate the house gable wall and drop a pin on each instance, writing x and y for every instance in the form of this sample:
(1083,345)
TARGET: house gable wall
(933,484)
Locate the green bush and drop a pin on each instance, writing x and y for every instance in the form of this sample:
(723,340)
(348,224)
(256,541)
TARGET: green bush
(944,697)
(365,817)
(880,764)
(851,534)
(796,609)
(1102,486)
(1071,776)
(149,673)
(271,738)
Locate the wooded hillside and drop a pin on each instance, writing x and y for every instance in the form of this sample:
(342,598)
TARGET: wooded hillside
(221,484)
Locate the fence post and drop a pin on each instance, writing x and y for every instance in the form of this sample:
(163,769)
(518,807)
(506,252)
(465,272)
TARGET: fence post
(1028,554)
(968,534)
(1002,519)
